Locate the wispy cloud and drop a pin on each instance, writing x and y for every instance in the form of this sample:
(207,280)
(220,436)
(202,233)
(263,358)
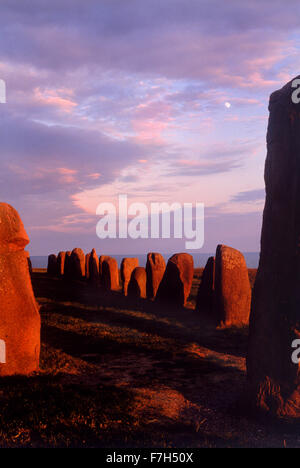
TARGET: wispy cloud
(250,196)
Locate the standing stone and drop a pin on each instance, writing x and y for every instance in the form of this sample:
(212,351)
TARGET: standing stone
(87,265)
(93,267)
(206,289)
(176,284)
(101,260)
(68,265)
(110,274)
(61,257)
(232,299)
(273,377)
(155,268)
(77,264)
(19,313)
(52,265)
(127,267)
(137,284)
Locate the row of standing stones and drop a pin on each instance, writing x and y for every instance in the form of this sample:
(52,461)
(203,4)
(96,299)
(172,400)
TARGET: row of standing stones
(273,378)
(171,283)
(224,294)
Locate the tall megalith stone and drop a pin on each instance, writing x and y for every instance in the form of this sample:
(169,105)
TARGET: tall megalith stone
(273,377)
(101,260)
(232,291)
(68,265)
(77,262)
(52,268)
(87,265)
(61,257)
(137,283)
(206,289)
(155,268)
(176,284)
(19,313)
(93,267)
(110,274)
(127,267)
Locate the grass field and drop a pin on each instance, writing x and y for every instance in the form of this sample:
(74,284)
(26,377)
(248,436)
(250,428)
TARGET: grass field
(118,373)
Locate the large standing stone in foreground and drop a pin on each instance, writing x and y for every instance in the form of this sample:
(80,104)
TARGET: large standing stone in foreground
(127,267)
(206,289)
(93,267)
(61,257)
(137,283)
(110,274)
(52,265)
(176,284)
(19,314)
(232,299)
(155,268)
(77,264)
(273,377)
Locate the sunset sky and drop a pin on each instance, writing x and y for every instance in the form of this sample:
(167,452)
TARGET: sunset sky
(162,100)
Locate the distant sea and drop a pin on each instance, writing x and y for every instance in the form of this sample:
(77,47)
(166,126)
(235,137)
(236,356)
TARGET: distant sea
(200,259)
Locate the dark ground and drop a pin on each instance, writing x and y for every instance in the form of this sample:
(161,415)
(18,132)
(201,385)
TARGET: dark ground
(117,373)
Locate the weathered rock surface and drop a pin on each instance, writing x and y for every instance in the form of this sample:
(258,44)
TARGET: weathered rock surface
(19,313)
(206,289)
(61,257)
(232,300)
(101,260)
(137,283)
(93,267)
(274,379)
(68,265)
(110,274)
(77,262)
(155,268)
(52,265)
(127,267)
(177,281)
(87,265)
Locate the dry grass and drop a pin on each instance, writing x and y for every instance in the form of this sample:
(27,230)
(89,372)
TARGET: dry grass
(117,373)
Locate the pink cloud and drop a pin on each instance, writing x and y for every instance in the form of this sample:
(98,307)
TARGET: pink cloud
(61,174)
(67,175)
(148,131)
(52,97)
(95,175)
(150,120)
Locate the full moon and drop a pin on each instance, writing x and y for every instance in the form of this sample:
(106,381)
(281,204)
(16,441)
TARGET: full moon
(228,105)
